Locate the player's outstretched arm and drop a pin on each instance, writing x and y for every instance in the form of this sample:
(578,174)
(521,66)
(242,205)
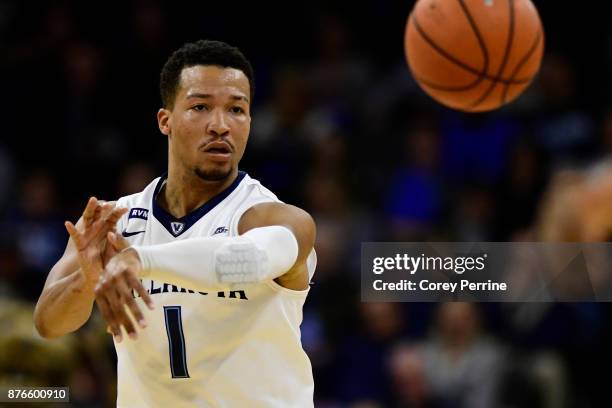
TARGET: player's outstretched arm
(275,242)
(67,298)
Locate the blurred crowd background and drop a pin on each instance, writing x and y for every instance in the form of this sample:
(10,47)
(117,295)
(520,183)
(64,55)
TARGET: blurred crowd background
(341,129)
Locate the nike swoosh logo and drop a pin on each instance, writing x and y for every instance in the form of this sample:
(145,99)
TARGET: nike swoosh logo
(129,234)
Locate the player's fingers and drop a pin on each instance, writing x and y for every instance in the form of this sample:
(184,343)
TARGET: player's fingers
(74,234)
(119,312)
(93,222)
(114,217)
(144,295)
(100,217)
(118,212)
(106,295)
(90,210)
(106,210)
(97,230)
(134,309)
(117,299)
(119,243)
(107,314)
(99,206)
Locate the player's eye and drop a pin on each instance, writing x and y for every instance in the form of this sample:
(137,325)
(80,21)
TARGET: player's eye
(200,107)
(236,109)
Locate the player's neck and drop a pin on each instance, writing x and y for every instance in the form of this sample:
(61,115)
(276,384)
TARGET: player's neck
(185,192)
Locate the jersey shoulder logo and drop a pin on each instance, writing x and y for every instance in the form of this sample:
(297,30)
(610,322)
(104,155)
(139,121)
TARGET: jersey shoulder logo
(134,223)
(177,227)
(220,230)
(141,213)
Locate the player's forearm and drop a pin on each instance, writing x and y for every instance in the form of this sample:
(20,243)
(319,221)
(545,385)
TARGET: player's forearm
(64,306)
(201,263)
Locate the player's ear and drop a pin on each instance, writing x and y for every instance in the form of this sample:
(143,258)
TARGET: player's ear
(163,117)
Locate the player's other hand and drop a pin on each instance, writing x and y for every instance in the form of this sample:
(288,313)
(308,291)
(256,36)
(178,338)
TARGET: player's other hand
(89,235)
(114,291)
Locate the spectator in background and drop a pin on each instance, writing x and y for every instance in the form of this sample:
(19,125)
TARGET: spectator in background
(134,178)
(411,388)
(78,361)
(562,127)
(10,271)
(381,325)
(475,148)
(340,230)
(34,228)
(282,134)
(29,360)
(91,130)
(340,75)
(414,200)
(7,175)
(606,132)
(473,214)
(518,194)
(462,364)
(576,205)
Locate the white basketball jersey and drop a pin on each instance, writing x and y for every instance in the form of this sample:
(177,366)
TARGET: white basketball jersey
(233,347)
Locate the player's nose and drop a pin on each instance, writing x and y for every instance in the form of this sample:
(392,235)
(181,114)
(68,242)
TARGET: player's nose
(218,124)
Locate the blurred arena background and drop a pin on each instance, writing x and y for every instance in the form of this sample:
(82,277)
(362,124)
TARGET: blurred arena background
(341,129)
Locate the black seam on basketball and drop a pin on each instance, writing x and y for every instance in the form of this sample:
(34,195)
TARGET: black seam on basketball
(445,88)
(481,43)
(504,62)
(522,62)
(458,62)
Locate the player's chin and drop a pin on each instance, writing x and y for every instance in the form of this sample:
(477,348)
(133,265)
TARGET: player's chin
(214,171)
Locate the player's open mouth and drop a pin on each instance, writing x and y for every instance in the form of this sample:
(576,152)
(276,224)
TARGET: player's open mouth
(217,150)
(220,151)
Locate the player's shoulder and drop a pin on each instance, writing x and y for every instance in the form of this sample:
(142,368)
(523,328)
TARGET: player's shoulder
(263,206)
(257,190)
(142,199)
(265,201)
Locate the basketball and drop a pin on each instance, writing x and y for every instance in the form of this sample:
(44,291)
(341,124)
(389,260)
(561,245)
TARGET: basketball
(474,55)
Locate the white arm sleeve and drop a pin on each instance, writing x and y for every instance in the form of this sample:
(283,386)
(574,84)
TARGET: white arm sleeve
(260,254)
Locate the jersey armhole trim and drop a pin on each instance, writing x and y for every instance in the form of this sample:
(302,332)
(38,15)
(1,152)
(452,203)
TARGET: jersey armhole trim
(301,294)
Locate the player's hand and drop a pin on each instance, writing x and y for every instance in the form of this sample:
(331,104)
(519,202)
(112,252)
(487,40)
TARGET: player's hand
(114,244)
(114,291)
(89,236)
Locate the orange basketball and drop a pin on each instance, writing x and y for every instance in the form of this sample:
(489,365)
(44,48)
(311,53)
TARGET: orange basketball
(474,55)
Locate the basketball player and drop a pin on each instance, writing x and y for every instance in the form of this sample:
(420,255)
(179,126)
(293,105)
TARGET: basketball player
(211,270)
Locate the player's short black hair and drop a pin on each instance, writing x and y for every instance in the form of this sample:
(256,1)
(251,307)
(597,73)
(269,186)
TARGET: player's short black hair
(202,52)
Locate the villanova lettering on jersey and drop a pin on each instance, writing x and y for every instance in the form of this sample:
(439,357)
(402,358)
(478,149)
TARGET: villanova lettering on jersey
(153,288)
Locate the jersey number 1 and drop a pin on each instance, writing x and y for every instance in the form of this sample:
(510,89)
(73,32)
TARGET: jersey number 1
(176,342)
